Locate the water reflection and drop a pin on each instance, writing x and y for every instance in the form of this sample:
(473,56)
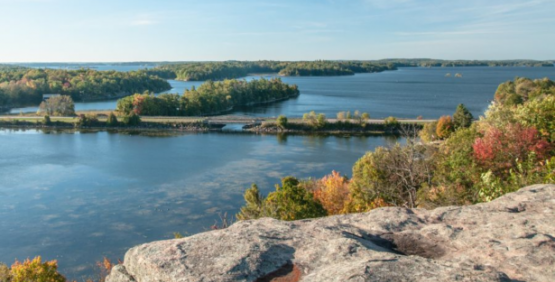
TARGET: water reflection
(76,196)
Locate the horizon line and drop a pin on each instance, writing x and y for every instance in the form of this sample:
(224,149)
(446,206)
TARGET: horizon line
(234,60)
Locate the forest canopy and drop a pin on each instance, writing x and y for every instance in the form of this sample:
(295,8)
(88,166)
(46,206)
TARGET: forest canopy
(465,63)
(24,86)
(235,69)
(209,99)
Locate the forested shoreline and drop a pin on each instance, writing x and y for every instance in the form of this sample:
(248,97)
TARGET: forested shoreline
(465,63)
(197,71)
(235,69)
(453,161)
(21,86)
(209,99)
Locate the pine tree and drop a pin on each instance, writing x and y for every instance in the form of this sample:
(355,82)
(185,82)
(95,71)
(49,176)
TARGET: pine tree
(462,117)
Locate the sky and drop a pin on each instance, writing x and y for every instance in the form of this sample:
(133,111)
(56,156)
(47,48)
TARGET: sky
(186,30)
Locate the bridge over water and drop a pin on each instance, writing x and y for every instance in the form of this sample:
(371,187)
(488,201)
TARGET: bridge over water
(234,119)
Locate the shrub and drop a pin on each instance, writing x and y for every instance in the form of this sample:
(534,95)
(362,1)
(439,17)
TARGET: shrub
(104,267)
(316,121)
(340,115)
(290,201)
(540,114)
(253,207)
(35,270)
(46,120)
(4,273)
(500,148)
(87,120)
(455,172)
(394,175)
(131,120)
(391,122)
(444,127)
(428,132)
(281,122)
(112,120)
(321,120)
(364,117)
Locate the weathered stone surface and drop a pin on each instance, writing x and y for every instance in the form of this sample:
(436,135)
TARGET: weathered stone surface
(509,239)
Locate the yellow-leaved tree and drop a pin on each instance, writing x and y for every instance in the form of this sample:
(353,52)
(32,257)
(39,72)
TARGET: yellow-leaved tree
(35,270)
(332,191)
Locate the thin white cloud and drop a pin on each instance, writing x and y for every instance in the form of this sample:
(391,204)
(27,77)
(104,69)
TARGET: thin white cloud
(445,33)
(142,22)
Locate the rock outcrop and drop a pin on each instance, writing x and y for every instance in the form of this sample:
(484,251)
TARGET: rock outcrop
(509,239)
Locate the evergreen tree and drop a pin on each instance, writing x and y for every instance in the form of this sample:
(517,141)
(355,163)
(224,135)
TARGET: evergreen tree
(462,117)
(253,206)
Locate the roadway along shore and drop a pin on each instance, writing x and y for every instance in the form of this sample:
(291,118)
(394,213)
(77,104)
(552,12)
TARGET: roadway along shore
(218,123)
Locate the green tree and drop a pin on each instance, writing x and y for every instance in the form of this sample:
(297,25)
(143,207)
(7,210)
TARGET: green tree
(46,120)
(281,122)
(365,117)
(540,114)
(58,106)
(112,120)
(428,132)
(253,207)
(391,122)
(321,121)
(131,119)
(316,121)
(340,115)
(291,201)
(462,117)
(87,120)
(394,175)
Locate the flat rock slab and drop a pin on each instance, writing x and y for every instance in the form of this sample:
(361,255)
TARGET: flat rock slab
(509,239)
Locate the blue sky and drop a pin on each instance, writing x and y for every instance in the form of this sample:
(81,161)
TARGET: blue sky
(138,30)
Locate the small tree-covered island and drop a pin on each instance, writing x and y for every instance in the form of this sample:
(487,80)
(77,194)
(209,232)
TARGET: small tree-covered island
(210,98)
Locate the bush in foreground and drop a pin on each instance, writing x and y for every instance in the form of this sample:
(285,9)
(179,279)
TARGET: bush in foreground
(35,270)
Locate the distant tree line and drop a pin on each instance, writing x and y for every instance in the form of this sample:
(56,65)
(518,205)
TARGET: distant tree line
(210,98)
(23,86)
(199,71)
(465,63)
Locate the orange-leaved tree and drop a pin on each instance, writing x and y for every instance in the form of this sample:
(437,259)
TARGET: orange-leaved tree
(445,127)
(332,192)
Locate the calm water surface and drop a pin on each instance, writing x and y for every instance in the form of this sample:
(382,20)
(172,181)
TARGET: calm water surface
(405,93)
(77,197)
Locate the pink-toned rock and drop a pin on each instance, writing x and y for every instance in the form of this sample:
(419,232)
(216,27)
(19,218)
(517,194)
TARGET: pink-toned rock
(509,239)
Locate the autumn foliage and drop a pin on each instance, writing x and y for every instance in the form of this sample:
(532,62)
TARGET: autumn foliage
(500,148)
(333,193)
(35,270)
(445,127)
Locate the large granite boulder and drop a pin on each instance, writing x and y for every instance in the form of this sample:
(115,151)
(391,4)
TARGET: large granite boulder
(509,239)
